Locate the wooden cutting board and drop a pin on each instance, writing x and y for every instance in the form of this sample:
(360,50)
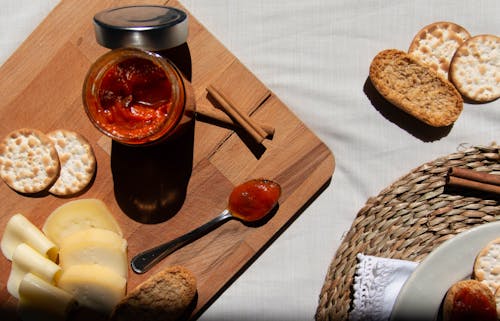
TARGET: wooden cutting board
(160,193)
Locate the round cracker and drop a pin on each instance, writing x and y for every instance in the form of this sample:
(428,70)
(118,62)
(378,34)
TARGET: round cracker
(487,265)
(475,68)
(28,161)
(435,44)
(78,163)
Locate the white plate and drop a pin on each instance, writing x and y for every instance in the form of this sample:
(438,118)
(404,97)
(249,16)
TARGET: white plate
(452,261)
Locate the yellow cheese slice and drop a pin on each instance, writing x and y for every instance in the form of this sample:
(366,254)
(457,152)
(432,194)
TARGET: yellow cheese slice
(78,215)
(24,260)
(94,286)
(20,230)
(95,246)
(41,300)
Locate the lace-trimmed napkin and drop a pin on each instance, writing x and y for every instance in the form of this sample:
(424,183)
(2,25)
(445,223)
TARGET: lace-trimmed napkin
(376,286)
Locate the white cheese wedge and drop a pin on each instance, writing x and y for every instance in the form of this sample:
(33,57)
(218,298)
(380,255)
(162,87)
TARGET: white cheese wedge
(20,230)
(24,260)
(94,286)
(41,300)
(95,246)
(79,215)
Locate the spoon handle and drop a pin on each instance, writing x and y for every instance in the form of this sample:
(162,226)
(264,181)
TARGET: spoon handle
(143,261)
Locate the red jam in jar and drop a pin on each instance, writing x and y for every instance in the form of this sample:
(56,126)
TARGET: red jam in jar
(136,97)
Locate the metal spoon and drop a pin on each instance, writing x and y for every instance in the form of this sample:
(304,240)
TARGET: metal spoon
(248,202)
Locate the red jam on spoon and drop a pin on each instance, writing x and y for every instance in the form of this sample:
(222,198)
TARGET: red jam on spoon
(248,202)
(253,200)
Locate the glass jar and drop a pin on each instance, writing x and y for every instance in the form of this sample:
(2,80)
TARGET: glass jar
(132,94)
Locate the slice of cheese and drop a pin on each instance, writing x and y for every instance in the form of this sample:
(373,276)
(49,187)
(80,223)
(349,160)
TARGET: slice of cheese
(79,215)
(41,300)
(20,230)
(24,260)
(94,286)
(95,246)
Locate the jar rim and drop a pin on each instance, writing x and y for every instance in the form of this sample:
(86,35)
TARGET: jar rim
(102,65)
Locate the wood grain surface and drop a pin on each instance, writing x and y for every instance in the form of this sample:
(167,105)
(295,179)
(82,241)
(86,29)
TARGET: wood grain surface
(162,192)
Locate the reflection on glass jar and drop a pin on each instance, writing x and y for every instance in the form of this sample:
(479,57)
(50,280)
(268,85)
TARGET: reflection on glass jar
(137,97)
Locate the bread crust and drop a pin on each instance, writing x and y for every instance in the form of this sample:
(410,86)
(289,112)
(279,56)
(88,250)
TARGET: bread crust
(28,161)
(435,44)
(166,296)
(469,300)
(415,88)
(475,68)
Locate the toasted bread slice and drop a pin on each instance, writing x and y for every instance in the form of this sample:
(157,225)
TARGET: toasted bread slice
(166,295)
(415,88)
(469,300)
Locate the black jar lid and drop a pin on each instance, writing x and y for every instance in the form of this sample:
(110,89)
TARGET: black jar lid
(145,27)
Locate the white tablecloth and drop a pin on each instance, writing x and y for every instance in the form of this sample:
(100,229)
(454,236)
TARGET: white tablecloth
(315,56)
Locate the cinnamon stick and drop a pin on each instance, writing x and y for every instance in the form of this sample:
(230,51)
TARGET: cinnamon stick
(223,118)
(257,133)
(466,178)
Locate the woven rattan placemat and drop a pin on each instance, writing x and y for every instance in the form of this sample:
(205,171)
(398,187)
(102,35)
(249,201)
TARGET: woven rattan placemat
(408,219)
